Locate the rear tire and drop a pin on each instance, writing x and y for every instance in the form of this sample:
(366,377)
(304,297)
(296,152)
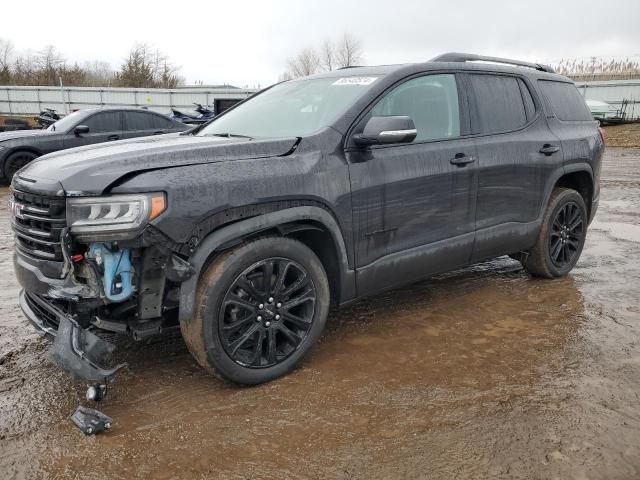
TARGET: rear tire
(562,236)
(16,161)
(260,307)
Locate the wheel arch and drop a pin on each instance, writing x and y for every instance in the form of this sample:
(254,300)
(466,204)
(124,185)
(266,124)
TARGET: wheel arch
(312,225)
(580,179)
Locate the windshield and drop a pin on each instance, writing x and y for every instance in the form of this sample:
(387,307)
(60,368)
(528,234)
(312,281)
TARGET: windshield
(65,123)
(292,109)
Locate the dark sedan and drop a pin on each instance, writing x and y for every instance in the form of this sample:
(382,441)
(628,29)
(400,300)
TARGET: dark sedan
(83,127)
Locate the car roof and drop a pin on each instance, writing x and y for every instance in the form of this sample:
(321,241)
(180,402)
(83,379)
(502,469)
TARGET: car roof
(116,109)
(409,68)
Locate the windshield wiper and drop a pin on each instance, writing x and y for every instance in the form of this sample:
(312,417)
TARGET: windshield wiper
(230,135)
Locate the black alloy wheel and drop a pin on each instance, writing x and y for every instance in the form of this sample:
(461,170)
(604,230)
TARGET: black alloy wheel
(267,312)
(566,234)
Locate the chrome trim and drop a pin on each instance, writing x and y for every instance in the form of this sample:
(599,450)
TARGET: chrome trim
(394,133)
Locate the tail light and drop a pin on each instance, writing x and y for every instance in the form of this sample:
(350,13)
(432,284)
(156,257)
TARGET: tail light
(601,132)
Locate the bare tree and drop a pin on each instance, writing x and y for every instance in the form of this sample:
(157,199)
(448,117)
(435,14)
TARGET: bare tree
(327,56)
(98,74)
(348,51)
(345,52)
(6,56)
(304,63)
(6,53)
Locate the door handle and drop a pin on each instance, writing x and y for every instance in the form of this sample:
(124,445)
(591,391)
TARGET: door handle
(158,133)
(549,149)
(462,160)
(113,137)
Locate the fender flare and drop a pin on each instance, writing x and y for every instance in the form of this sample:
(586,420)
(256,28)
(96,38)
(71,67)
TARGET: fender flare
(228,235)
(558,173)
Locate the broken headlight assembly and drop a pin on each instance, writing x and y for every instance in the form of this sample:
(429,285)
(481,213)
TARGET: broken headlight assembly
(114,216)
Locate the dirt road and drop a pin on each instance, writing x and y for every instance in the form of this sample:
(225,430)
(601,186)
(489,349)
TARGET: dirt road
(482,373)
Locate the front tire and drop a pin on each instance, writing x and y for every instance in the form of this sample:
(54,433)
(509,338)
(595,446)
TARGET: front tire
(260,308)
(15,162)
(562,236)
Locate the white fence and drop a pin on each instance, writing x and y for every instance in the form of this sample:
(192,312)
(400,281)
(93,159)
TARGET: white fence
(32,100)
(614,92)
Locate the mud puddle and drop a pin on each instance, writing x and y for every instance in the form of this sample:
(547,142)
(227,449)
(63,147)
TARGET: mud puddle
(480,373)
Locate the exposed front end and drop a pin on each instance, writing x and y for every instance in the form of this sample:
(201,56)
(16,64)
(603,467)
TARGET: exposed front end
(80,262)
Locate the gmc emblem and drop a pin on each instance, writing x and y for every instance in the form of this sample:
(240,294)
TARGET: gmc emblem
(16,209)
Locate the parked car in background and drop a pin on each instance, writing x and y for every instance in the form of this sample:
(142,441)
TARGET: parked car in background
(84,127)
(315,191)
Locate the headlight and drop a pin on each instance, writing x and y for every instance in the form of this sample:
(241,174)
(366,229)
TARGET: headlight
(113,214)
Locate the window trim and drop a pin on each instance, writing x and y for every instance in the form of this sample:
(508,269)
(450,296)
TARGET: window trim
(474,110)
(463,112)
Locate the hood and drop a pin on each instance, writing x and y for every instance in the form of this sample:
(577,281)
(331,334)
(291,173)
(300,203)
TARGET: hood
(15,134)
(93,169)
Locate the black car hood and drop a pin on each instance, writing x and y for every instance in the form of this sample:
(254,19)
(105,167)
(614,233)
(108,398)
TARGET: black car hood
(91,170)
(16,134)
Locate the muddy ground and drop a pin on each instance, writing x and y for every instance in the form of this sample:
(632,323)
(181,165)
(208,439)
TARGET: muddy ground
(481,373)
(623,135)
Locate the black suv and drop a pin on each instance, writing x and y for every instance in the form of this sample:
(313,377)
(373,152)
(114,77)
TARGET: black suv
(314,191)
(84,127)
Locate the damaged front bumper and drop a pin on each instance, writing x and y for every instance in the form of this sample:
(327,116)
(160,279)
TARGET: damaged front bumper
(76,350)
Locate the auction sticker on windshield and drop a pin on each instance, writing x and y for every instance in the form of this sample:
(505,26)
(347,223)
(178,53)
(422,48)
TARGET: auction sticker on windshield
(355,81)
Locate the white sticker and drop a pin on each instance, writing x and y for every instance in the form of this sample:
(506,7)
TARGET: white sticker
(355,81)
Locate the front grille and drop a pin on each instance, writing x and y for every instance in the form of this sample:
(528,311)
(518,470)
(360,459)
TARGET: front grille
(37,223)
(45,315)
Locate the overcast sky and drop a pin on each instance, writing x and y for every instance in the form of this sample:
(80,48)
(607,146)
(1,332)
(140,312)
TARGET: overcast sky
(248,42)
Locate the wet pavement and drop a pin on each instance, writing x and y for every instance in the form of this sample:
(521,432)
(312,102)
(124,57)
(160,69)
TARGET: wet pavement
(480,373)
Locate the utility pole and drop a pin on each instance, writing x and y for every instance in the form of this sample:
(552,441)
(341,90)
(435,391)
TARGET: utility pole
(64,102)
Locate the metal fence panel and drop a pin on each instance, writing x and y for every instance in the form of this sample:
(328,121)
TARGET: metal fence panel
(32,100)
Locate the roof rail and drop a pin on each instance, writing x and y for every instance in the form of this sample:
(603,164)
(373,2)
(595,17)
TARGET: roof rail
(470,57)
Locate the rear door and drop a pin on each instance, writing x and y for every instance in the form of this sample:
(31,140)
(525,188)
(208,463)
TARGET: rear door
(510,132)
(103,127)
(413,203)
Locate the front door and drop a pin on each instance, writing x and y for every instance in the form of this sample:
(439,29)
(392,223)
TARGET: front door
(414,203)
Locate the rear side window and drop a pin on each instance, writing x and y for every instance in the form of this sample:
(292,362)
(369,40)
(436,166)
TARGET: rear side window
(500,104)
(104,122)
(158,122)
(431,101)
(565,101)
(139,121)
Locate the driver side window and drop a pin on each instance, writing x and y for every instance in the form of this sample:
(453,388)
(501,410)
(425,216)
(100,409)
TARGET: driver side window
(431,101)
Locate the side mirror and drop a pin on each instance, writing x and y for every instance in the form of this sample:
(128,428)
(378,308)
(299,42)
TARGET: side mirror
(385,130)
(81,130)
